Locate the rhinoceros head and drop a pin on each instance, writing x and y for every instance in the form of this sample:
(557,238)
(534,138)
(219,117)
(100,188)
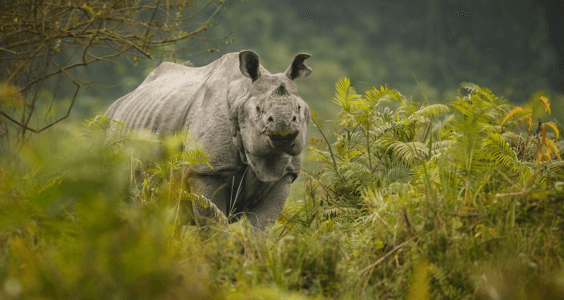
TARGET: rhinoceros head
(270,120)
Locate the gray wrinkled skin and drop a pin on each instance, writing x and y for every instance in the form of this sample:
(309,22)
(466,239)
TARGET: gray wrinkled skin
(252,124)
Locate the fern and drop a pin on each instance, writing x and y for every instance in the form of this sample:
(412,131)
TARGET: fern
(381,129)
(345,95)
(441,147)
(429,111)
(195,156)
(545,103)
(472,87)
(206,210)
(408,152)
(516,110)
(553,128)
(340,211)
(496,146)
(376,96)
(398,172)
(101,129)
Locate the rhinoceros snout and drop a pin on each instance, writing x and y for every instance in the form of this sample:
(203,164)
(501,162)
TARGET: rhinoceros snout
(282,125)
(283,138)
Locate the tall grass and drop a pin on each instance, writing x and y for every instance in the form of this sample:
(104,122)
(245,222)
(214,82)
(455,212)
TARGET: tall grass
(414,201)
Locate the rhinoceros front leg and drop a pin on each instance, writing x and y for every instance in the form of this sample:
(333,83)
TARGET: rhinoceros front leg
(271,205)
(215,190)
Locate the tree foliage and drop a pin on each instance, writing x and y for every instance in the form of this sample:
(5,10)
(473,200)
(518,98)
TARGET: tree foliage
(42,43)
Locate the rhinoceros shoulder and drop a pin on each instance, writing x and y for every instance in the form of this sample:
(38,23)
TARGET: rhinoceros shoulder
(166,70)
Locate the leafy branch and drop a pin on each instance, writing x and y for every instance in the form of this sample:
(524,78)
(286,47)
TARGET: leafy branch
(42,42)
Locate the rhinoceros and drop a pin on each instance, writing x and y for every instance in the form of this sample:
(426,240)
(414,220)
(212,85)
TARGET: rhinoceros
(252,124)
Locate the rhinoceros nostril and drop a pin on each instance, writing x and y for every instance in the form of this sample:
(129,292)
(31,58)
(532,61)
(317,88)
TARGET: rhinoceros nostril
(270,119)
(294,119)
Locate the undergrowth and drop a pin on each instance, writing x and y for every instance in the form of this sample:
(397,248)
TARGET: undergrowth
(410,201)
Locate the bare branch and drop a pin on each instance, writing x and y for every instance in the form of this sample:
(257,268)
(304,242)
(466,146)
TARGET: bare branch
(46,126)
(34,33)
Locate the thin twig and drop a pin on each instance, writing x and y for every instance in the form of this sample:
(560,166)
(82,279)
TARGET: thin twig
(54,27)
(149,25)
(372,266)
(330,150)
(46,126)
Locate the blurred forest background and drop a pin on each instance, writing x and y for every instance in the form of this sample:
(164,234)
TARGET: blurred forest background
(424,49)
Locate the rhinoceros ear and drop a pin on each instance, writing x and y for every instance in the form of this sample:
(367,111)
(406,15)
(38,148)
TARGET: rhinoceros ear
(249,64)
(298,69)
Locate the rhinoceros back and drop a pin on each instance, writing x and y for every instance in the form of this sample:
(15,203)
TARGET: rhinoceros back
(174,97)
(164,99)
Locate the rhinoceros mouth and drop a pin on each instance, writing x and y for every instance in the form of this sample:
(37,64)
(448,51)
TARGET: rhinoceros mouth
(279,141)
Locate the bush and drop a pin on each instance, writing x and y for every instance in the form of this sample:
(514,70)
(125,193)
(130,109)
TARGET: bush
(416,201)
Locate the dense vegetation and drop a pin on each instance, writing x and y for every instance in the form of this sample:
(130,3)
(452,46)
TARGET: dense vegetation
(411,200)
(399,198)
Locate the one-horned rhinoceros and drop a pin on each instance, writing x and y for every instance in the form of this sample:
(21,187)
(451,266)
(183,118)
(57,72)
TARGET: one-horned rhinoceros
(251,123)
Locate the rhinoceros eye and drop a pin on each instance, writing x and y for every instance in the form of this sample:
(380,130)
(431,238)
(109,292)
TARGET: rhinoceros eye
(258,109)
(299,107)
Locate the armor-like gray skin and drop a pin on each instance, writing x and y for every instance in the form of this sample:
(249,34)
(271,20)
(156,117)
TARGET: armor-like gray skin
(251,123)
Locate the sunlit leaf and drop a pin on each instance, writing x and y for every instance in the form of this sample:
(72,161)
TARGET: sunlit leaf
(551,145)
(375,95)
(512,112)
(549,124)
(545,103)
(345,94)
(433,110)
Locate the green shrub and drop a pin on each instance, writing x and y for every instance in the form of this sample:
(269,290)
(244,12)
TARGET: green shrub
(416,191)
(416,201)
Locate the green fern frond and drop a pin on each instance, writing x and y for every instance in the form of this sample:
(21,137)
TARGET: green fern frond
(195,156)
(472,87)
(340,211)
(398,171)
(465,108)
(345,94)
(433,110)
(381,129)
(439,148)
(408,152)
(383,144)
(372,198)
(320,154)
(499,150)
(385,115)
(206,209)
(98,127)
(375,96)
(357,139)
(357,172)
